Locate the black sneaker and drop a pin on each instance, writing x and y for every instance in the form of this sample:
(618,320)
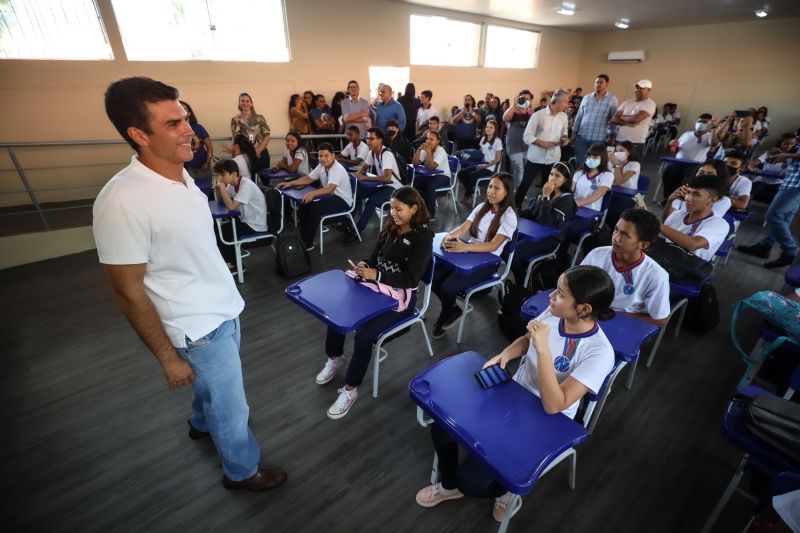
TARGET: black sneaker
(452,318)
(758,250)
(310,247)
(437,332)
(196,434)
(782,261)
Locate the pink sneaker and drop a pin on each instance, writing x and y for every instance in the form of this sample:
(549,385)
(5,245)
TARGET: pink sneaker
(343,403)
(501,506)
(433,495)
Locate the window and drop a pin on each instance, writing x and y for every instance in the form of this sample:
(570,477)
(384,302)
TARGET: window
(511,48)
(442,41)
(203,30)
(395,77)
(52,29)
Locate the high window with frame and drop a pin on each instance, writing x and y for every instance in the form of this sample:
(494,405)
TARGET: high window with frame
(203,30)
(443,41)
(510,48)
(52,29)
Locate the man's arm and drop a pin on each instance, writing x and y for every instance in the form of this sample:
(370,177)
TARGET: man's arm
(127,282)
(690,244)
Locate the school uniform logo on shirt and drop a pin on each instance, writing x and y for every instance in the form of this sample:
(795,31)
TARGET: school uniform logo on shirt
(627,273)
(694,225)
(561,363)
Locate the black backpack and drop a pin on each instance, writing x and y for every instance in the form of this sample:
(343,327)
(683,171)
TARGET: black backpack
(291,257)
(544,274)
(508,317)
(774,421)
(702,313)
(274,203)
(682,267)
(402,167)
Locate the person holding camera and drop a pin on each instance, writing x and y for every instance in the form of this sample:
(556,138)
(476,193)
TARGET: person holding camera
(465,124)
(515,119)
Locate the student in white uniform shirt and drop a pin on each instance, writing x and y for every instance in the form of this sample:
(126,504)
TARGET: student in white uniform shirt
(242,194)
(695,228)
(492,148)
(434,156)
(487,229)
(379,165)
(295,157)
(356,151)
(333,196)
(713,167)
(244,155)
(641,286)
(566,355)
(626,168)
(691,145)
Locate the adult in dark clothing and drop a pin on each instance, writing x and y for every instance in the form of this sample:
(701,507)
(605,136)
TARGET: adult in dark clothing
(397,142)
(411,105)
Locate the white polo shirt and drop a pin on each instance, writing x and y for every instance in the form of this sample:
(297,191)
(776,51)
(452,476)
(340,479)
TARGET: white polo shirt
(741,186)
(508,225)
(378,165)
(714,229)
(337,175)
(301,155)
(642,287)
(585,187)
(424,115)
(587,357)
(545,126)
(690,146)
(351,152)
(252,204)
(636,168)
(244,169)
(490,150)
(719,208)
(440,157)
(630,108)
(141,217)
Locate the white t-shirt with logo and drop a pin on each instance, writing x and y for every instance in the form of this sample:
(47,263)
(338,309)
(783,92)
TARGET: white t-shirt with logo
(585,187)
(252,204)
(692,147)
(351,152)
(714,229)
(508,225)
(630,108)
(141,217)
(587,357)
(636,168)
(301,155)
(440,157)
(490,151)
(244,168)
(383,163)
(644,288)
(336,175)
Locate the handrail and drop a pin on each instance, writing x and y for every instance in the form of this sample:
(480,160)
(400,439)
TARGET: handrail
(11,146)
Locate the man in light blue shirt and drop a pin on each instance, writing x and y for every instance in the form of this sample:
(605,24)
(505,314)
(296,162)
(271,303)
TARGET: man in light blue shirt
(388,108)
(592,120)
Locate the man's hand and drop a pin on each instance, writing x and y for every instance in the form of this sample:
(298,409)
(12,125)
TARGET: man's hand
(178,373)
(308,197)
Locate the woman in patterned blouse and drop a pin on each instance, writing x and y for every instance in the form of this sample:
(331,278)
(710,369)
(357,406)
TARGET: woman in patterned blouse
(253,126)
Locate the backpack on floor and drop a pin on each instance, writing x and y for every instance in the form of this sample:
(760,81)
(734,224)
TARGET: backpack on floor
(702,313)
(774,421)
(508,317)
(545,274)
(291,257)
(274,201)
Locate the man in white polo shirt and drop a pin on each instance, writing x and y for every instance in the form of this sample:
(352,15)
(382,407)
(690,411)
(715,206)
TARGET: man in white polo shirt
(633,117)
(641,285)
(155,237)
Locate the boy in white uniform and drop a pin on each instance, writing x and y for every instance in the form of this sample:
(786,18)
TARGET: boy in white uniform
(356,152)
(695,228)
(379,165)
(641,285)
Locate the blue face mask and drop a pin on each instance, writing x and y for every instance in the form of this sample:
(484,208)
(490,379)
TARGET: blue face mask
(592,162)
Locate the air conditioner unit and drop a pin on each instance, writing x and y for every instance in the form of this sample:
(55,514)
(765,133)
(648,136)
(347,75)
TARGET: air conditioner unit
(635,56)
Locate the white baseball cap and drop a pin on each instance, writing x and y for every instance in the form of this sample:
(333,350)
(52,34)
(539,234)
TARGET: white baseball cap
(645,84)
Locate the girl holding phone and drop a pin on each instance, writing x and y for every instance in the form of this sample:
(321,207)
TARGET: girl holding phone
(566,355)
(399,260)
(486,229)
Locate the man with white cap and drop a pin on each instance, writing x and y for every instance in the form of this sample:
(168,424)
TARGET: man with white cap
(633,117)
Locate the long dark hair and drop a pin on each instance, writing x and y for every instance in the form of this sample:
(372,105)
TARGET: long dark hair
(192,118)
(565,171)
(409,94)
(485,139)
(409,196)
(299,139)
(508,203)
(598,150)
(593,286)
(293,99)
(632,157)
(248,150)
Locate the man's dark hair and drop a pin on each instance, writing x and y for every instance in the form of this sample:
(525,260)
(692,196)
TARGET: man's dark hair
(427,94)
(325,146)
(226,166)
(528,92)
(377,131)
(713,184)
(355,129)
(351,82)
(436,119)
(735,154)
(647,224)
(706,116)
(604,76)
(126,104)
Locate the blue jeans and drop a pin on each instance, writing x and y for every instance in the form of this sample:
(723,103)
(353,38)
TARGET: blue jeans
(219,405)
(517,167)
(377,196)
(779,220)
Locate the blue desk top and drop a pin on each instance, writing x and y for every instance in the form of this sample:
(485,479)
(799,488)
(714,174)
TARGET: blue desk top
(277,175)
(204,185)
(535,231)
(425,171)
(691,162)
(296,195)
(465,262)
(371,184)
(625,333)
(218,210)
(586,213)
(505,428)
(793,276)
(468,163)
(338,300)
(686,291)
(619,190)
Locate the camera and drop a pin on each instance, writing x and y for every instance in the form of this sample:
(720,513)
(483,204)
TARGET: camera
(522,101)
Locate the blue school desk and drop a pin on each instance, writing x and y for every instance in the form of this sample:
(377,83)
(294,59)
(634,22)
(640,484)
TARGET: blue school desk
(535,231)
(793,276)
(218,210)
(463,262)
(204,185)
(338,300)
(269,175)
(505,428)
(421,170)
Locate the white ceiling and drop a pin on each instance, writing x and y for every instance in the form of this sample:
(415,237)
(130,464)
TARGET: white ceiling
(599,15)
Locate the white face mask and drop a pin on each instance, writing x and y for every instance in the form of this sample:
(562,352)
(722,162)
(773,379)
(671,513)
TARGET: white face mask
(593,162)
(700,126)
(621,156)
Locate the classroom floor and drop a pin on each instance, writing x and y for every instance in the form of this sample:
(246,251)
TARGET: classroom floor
(96,442)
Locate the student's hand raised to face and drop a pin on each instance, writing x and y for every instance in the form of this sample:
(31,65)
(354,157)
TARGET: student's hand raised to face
(540,333)
(548,188)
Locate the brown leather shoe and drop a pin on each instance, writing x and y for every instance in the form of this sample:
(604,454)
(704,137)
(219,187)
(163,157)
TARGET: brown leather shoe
(265,478)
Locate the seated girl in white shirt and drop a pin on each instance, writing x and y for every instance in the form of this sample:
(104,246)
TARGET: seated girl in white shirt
(434,157)
(244,154)
(566,355)
(626,168)
(295,157)
(487,229)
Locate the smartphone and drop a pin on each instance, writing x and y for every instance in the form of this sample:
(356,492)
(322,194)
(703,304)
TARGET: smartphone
(466,239)
(491,376)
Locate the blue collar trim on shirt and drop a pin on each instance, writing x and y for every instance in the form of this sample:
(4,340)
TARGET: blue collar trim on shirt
(564,334)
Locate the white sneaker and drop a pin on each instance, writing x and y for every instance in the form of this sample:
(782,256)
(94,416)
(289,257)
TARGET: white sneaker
(343,403)
(332,367)
(500,507)
(433,495)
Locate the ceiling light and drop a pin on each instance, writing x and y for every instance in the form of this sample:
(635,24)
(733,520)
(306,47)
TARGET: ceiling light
(761,13)
(622,24)
(566,9)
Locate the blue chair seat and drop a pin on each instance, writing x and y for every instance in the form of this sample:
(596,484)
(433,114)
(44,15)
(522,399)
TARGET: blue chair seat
(586,213)
(684,291)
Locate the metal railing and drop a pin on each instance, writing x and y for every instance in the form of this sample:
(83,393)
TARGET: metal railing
(31,192)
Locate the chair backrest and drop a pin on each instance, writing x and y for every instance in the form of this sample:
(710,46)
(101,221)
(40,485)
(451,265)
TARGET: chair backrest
(511,246)
(449,147)
(354,190)
(643,185)
(411,173)
(427,279)
(455,163)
